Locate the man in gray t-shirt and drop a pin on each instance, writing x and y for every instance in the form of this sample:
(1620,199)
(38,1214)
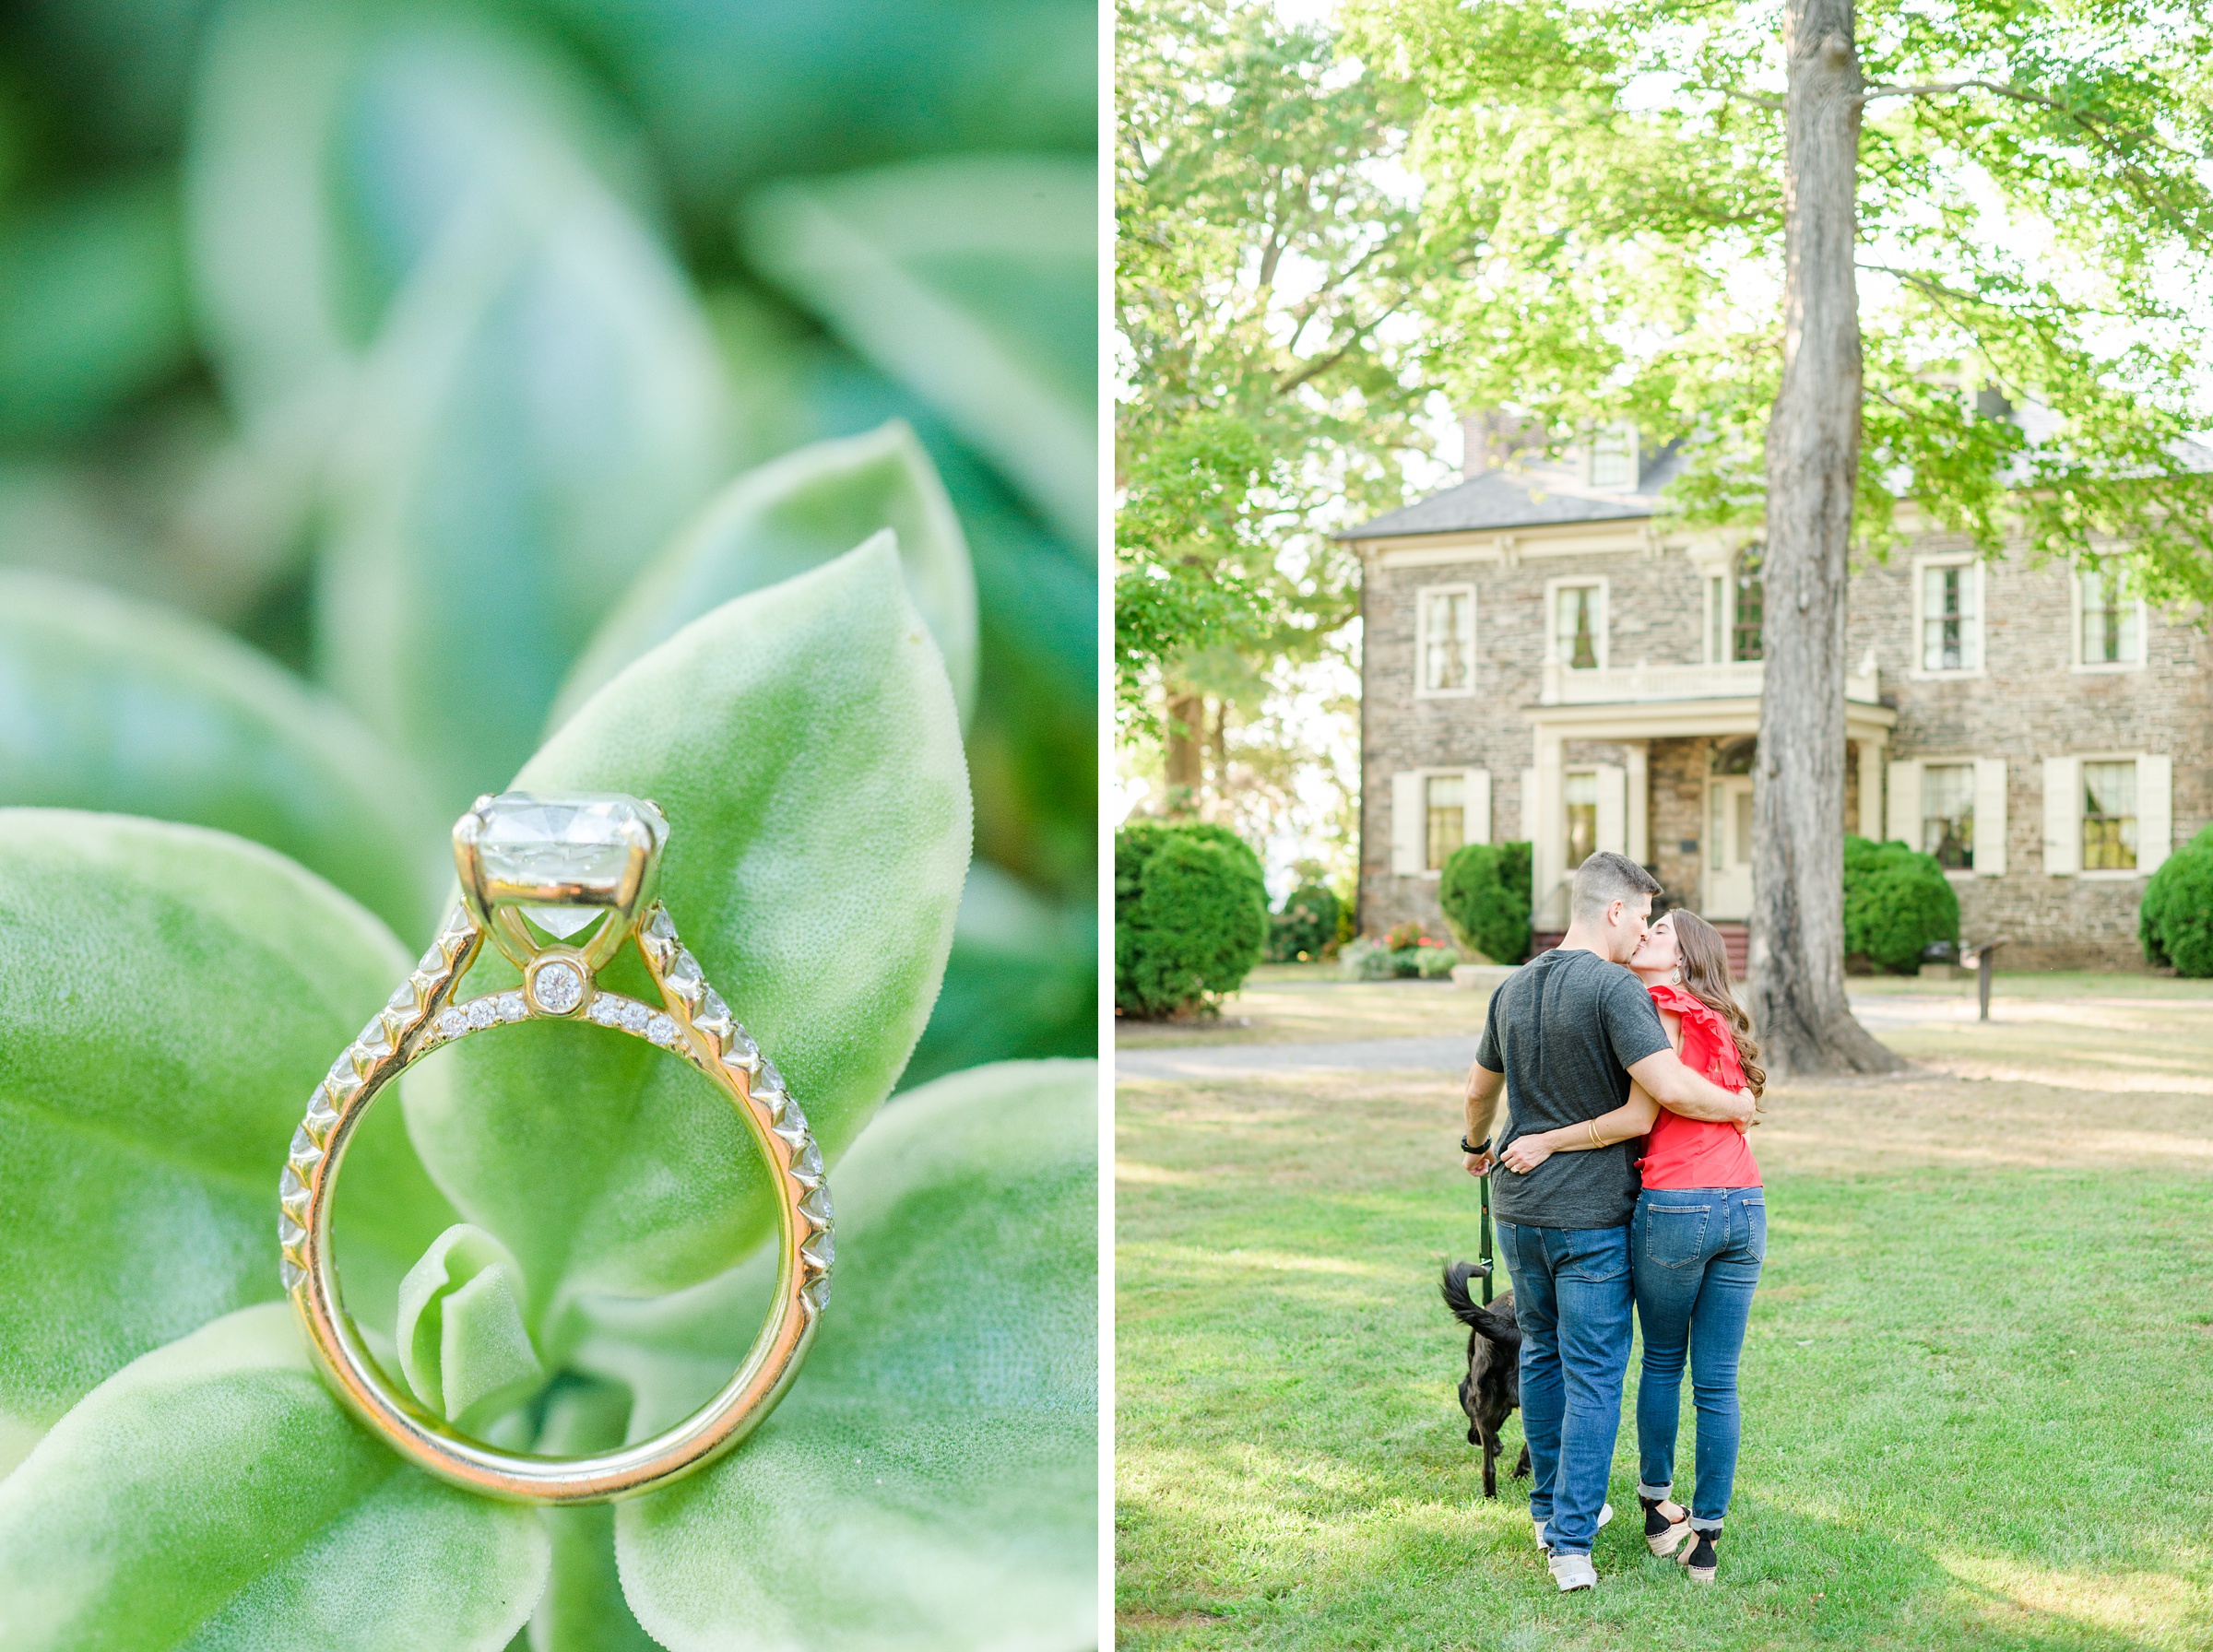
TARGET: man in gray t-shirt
(1564,1037)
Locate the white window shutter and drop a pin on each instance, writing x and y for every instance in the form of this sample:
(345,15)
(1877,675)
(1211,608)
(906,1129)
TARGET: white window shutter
(1990,817)
(1902,822)
(2155,812)
(1475,806)
(1613,808)
(1409,824)
(2063,816)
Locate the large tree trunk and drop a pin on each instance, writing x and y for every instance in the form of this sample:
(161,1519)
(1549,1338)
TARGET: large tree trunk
(1797,956)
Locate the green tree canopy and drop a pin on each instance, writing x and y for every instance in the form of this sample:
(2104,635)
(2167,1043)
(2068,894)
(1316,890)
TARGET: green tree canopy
(1607,190)
(1258,256)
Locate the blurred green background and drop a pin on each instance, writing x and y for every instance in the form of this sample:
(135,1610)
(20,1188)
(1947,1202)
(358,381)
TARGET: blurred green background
(394,341)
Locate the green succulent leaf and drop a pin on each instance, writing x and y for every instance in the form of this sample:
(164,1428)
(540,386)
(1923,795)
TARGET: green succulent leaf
(329,148)
(169,998)
(212,1494)
(95,311)
(117,707)
(804,745)
(794,514)
(930,1480)
(582,1608)
(543,408)
(973,280)
(461,1342)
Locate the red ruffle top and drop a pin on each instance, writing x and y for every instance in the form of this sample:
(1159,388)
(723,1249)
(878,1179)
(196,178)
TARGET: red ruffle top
(1689,1153)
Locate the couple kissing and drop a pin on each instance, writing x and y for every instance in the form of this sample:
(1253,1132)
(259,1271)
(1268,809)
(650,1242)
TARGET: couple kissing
(1609,1101)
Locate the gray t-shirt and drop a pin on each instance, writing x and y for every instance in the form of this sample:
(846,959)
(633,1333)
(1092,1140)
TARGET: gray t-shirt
(1564,1029)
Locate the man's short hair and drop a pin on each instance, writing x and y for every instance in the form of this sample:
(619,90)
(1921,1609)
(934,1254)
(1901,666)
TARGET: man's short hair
(1604,878)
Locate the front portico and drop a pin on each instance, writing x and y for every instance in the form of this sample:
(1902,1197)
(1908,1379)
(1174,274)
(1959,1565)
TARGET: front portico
(1591,784)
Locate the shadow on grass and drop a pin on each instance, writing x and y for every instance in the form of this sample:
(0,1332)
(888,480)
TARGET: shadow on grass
(1451,1578)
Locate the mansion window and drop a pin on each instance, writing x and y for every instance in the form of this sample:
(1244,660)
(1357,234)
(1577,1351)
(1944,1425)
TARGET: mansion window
(1445,644)
(1947,815)
(1580,790)
(1735,604)
(1951,616)
(2109,816)
(1579,626)
(1446,803)
(2111,628)
(1614,458)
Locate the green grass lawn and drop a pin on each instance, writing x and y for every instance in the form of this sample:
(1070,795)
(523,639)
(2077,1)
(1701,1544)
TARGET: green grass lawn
(1978,1387)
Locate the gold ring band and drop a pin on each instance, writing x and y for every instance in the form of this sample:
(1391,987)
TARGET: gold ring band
(559,983)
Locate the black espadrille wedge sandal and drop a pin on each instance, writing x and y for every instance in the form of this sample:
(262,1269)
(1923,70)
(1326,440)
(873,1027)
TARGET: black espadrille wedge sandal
(1700,1561)
(1664,1534)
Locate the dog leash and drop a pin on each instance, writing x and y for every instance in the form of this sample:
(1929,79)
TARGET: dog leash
(1483,1182)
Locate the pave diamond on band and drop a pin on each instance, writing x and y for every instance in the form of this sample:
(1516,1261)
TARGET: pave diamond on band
(557,885)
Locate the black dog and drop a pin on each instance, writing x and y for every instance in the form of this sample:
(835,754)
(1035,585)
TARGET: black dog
(1492,1388)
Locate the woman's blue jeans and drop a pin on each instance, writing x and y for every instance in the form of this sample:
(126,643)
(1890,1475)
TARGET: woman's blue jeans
(1695,1254)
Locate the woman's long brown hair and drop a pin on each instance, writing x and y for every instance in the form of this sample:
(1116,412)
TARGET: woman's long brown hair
(1705,977)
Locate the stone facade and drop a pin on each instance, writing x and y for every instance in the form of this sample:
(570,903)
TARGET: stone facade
(1539,732)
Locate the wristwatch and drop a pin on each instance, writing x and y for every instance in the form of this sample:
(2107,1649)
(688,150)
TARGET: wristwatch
(1466,1148)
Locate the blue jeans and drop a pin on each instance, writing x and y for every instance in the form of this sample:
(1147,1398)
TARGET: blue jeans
(1571,1297)
(1697,1255)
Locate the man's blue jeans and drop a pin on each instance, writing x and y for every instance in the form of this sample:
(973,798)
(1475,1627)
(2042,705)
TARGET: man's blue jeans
(1571,1297)
(1698,1252)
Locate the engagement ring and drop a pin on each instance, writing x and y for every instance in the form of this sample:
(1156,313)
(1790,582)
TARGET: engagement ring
(558,884)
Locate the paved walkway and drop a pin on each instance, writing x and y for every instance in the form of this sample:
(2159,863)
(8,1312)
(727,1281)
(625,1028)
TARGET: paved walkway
(1445,1054)
(1232,1060)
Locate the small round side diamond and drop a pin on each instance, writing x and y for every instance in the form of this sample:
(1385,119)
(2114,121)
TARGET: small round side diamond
(636,1016)
(451,1022)
(661,1029)
(512,1007)
(482,1012)
(607,1009)
(558,987)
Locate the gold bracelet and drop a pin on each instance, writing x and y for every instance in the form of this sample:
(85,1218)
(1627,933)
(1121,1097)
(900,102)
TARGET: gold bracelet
(1592,1126)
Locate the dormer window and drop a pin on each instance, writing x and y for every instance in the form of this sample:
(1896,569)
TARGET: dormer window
(1612,459)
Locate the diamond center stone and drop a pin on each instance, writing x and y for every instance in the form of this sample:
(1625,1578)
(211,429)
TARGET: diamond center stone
(582,841)
(537,840)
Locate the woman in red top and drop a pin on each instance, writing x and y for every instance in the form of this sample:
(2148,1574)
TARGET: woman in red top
(1698,1239)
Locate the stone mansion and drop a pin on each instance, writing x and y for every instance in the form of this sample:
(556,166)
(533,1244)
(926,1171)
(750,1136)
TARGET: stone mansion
(1545,658)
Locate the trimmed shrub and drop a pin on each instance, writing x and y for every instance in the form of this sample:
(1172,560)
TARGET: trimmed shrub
(1435,963)
(1307,925)
(2175,922)
(1484,892)
(1191,916)
(1897,902)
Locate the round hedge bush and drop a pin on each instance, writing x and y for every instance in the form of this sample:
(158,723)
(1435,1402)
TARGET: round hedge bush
(1484,892)
(1191,916)
(1307,925)
(1897,902)
(2175,922)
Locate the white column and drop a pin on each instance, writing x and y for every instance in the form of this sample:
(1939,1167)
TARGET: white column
(1871,787)
(1548,837)
(1640,849)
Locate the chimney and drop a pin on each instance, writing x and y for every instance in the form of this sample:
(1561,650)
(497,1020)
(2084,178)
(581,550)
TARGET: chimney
(1489,436)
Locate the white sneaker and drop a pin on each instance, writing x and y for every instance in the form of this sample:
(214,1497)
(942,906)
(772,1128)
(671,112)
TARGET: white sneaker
(1573,1572)
(1605,1513)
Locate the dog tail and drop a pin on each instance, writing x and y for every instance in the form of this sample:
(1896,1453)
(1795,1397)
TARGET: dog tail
(1454,1289)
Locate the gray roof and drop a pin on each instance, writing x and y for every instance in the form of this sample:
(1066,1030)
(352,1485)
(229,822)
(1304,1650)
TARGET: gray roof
(1518,497)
